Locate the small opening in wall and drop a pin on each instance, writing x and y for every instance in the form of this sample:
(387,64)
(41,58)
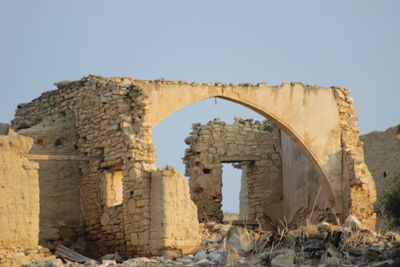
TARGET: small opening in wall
(384,174)
(206,171)
(58,142)
(113,188)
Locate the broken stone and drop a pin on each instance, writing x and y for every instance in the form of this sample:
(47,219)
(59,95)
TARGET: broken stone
(239,240)
(200,255)
(332,262)
(353,223)
(283,260)
(214,256)
(203,263)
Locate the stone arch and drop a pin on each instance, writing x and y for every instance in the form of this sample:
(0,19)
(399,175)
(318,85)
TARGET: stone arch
(293,107)
(116,125)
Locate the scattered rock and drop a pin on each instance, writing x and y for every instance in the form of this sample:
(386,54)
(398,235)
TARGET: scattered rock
(283,260)
(323,245)
(239,240)
(200,255)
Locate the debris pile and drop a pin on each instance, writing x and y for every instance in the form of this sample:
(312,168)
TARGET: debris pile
(312,245)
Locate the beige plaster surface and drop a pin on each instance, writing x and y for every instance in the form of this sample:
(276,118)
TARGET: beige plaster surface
(19,193)
(309,114)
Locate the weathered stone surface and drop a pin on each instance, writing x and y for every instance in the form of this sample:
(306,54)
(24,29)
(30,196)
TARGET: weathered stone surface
(19,193)
(357,185)
(59,181)
(111,120)
(382,155)
(251,147)
(279,182)
(19,203)
(174,223)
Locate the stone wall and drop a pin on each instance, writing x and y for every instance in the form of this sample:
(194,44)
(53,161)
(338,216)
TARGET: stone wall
(254,147)
(59,217)
(113,118)
(19,193)
(99,107)
(109,128)
(382,155)
(358,186)
(19,202)
(278,180)
(174,223)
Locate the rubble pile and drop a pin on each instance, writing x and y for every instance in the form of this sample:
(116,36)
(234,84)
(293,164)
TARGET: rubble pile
(20,256)
(323,245)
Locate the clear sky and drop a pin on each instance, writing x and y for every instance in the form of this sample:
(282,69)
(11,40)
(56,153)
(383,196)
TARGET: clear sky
(353,44)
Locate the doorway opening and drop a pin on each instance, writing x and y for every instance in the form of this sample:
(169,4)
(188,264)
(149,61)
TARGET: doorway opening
(232,189)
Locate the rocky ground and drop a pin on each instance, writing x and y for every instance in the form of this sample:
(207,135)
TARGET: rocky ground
(313,245)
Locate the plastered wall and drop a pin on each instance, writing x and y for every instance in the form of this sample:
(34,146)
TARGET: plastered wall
(303,193)
(19,193)
(59,183)
(174,227)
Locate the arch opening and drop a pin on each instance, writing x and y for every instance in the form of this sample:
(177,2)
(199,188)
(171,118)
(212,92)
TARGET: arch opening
(277,203)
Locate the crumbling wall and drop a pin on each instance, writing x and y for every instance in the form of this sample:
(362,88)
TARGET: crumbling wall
(19,202)
(382,155)
(113,119)
(255,147)
(19,193)
(278,181)
(113,133)
(59,183)
(174,223)
(358,186)
(97,106)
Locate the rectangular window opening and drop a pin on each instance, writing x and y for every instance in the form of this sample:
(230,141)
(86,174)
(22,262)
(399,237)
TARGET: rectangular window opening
(113,188)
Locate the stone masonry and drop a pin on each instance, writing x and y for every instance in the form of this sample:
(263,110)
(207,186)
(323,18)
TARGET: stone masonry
(269,172)
(93,136)
(382,155)
(59,217)
(358,184)
(254,147)
(19,202)
(108,128)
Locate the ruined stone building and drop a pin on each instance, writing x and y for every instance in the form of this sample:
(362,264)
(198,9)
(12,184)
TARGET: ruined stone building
(95,186)
(273,184)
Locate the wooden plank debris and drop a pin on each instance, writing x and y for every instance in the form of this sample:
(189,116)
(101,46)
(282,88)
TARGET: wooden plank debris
(69,254)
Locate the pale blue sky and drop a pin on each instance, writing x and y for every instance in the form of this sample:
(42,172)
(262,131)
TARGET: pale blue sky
(352,44)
